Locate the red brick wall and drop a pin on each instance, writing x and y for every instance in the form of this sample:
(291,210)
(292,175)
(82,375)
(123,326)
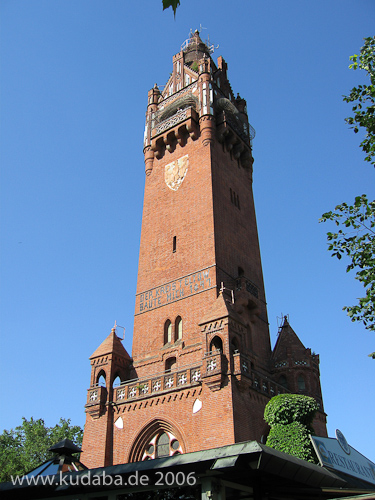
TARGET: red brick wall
(210,427)
(187,214)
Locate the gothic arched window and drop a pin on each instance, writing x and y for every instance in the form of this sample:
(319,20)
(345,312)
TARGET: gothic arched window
(145,446)
(100,379)
(162,444)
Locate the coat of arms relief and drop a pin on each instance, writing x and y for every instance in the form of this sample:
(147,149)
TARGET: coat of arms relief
(175,172)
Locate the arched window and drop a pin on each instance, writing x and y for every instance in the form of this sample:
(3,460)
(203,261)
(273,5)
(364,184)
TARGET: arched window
(145,445)
(178,328)
(116,382)
(216,344)
(170,364)
(162,446)
(283,381)
(100,380)
(301,383)
(167,332)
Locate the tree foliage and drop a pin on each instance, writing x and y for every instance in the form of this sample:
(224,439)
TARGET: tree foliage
(26,447)
(356,240)
(290,417)
(363,98)
(171,3)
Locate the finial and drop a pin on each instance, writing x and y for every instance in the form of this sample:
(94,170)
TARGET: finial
(286,322)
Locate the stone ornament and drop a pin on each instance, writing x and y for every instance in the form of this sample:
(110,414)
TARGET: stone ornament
(94,396)
(175,172)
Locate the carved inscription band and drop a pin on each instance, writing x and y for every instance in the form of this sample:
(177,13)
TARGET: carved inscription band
(175,290)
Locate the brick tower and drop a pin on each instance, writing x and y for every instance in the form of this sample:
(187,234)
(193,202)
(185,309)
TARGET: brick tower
(202,369)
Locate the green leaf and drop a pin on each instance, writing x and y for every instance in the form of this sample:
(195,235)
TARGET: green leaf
(26,447)
(290,417)
(355,240)
(171,3)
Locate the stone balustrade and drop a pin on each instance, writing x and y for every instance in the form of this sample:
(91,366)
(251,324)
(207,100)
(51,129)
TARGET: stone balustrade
(157,384)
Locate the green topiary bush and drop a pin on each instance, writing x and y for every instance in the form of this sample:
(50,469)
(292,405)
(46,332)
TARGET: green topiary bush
(287,408)
(293,439)
(290,417)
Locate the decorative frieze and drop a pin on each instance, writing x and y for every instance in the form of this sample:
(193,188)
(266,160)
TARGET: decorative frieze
(174,120)
(281,364)
(214,326)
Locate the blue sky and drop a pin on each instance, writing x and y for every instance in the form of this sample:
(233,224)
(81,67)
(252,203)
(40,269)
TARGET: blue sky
(74,82)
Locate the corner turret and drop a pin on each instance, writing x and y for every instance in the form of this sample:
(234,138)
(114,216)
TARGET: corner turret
(110,363)
(296,368)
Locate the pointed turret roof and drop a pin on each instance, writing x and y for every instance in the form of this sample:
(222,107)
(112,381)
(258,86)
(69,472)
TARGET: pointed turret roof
(112,344)
(287,342)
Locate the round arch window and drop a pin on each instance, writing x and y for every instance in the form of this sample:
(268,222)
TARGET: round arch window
(167,332)
(178,328)
(216,344)
(170,364)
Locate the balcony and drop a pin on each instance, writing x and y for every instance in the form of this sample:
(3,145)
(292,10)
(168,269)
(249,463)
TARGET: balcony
(96,400)
(158,384)
(241,365)
(214,368)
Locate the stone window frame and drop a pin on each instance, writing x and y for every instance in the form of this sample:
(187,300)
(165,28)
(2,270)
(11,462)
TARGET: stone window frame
(150,451)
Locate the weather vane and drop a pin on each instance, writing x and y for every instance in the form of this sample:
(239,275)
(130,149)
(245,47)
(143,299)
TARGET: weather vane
(118,326)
